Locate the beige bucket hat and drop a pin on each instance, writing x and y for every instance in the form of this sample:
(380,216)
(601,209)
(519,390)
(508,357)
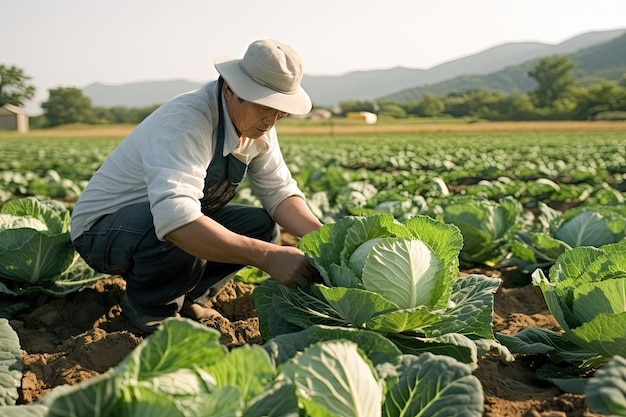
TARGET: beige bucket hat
(270,74)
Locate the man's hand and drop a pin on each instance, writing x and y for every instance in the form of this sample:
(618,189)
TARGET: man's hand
(288,265)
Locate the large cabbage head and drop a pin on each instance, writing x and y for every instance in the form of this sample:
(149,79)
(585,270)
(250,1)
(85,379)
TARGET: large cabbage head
(409,264)
(35,241)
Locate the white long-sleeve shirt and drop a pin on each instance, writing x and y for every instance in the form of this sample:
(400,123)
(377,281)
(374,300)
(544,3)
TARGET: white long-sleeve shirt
(164,161)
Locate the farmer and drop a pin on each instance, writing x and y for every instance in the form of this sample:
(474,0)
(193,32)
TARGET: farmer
(158,210)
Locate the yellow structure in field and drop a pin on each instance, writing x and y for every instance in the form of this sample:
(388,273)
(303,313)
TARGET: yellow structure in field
(367,117)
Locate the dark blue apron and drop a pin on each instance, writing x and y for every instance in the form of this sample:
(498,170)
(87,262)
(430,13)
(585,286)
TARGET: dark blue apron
(224,173)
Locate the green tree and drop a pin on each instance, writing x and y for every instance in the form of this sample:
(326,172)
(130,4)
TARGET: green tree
(14,86)
(121,114)
(477,103)
(358,105)
(485,104)
(457,104)
(392,109)
(67,105)
(555,80)
(431,105)
(516,106)
(601,97)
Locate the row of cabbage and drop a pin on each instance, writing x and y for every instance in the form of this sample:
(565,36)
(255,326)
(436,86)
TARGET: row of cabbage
(408,169)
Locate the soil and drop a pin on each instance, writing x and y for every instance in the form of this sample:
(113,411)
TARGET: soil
(73,338)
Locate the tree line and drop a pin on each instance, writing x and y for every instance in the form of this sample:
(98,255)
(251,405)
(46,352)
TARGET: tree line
(558,95)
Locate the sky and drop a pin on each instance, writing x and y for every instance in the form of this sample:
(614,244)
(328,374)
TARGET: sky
(74,43)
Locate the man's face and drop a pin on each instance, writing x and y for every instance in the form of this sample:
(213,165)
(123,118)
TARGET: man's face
(250,119)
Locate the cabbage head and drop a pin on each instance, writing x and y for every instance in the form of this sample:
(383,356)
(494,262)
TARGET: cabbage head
(405,263)
(36,253)
(580,226)
(487,227)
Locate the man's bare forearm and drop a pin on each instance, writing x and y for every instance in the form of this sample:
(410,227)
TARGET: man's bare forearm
(294,215)
(204,238)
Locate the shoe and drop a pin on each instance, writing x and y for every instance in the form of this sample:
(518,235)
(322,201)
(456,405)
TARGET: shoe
(145,323)
(198,312)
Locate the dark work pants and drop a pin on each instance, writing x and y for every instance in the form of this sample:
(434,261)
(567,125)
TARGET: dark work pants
(158,274)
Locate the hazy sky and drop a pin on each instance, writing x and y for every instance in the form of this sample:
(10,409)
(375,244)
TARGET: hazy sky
(73,43)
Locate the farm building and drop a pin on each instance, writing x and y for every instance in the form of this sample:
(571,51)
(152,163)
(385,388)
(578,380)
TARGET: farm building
(367,117)
(13,118)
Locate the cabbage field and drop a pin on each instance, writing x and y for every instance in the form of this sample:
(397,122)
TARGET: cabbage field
(465,272)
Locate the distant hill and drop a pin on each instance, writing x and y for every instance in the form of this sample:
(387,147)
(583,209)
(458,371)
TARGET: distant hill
(375,84)
(606,61)
(141,94)
(368,85)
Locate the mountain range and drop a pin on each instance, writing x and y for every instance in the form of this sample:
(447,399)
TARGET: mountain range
(598,55)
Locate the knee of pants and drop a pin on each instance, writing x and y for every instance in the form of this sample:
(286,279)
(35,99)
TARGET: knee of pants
(159,276)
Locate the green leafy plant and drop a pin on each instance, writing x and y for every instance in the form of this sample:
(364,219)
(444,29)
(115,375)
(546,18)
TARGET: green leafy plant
(581,226)
(183,370)
(36,251)
(487,226)
(250,275)
(10,364)
(606,390)
(586,293)
(398,279)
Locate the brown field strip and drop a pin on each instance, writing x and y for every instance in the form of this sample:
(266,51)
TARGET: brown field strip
(354,129)
(484,127)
